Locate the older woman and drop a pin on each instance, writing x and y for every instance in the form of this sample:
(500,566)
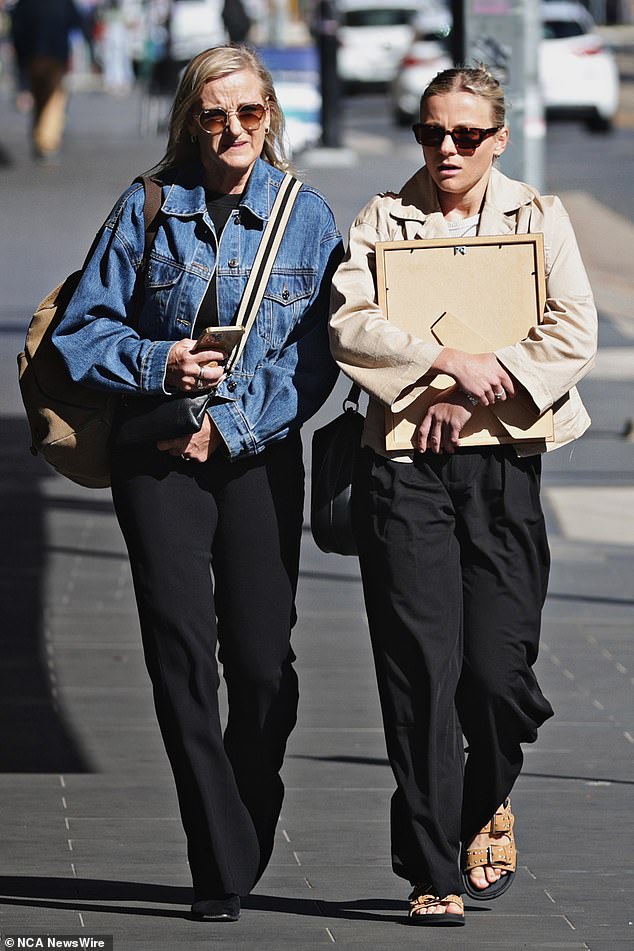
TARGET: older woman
(228,497)
(453,549)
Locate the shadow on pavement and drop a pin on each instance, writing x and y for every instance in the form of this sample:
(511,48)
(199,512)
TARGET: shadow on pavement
(88,894)
(582,779)
(383,761)
(34,736)
(589,598)
(354,760)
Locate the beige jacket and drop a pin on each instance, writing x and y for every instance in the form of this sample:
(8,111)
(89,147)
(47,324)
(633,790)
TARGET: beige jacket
(388,363)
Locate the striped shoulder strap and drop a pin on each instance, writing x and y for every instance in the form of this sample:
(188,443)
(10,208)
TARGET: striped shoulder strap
(264,261)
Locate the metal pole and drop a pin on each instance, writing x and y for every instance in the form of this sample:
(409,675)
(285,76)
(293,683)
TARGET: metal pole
(507,40)
(458,48)
(327,26)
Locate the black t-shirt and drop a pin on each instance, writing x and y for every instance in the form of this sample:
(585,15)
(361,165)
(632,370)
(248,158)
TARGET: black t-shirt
(219,207)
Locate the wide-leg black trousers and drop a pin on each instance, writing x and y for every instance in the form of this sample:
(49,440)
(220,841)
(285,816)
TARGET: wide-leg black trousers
(454,561)
(214,551)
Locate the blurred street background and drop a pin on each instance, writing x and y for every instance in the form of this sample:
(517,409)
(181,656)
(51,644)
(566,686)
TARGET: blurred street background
(90,840)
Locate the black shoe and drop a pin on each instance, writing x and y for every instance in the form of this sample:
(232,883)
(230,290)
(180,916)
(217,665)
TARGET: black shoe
(217,909)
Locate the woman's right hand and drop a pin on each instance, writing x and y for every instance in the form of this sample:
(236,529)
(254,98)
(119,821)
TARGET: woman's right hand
(480,375)
(187,371)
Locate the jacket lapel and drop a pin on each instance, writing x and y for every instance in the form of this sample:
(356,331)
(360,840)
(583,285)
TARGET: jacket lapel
(418,215)
(502,204)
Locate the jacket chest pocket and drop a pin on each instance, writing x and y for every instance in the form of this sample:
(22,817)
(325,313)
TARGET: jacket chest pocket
(165,286)
(285,299)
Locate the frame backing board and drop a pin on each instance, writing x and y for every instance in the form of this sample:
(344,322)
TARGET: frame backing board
(477,295)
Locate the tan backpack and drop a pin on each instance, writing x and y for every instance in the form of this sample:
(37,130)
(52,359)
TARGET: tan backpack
(70,423)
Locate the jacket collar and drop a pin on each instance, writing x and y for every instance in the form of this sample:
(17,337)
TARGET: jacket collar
(418,208)
(186,195)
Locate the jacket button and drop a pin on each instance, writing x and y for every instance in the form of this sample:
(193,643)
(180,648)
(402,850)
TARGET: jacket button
(231,385)
(236,220)
(233,262)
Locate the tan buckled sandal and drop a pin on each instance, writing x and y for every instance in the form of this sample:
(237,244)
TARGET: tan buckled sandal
(503,856)
(418,902)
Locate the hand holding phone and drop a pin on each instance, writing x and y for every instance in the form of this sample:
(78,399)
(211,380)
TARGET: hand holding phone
(219,338)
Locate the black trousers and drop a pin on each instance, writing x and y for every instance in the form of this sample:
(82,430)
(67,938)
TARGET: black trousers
(454,561)
(243,520)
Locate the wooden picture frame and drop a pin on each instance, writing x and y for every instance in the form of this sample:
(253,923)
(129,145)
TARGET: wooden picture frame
(475,294)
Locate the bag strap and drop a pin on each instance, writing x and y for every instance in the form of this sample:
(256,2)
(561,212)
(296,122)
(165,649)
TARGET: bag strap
(264,261)
(352,398)
(151,208)
(264,258)
(152,200)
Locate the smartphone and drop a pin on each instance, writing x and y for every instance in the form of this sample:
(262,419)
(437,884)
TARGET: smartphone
(218,338)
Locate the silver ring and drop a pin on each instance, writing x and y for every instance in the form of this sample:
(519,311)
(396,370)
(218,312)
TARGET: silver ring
(186,458)
(200,383)
(499,396)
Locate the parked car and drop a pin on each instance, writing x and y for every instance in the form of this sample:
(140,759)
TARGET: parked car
(427,55)
(373,37)
(578,75)
(577,71)
(194,26)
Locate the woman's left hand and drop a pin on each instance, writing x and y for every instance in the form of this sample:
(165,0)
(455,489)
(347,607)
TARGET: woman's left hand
(443,422)
(195,448)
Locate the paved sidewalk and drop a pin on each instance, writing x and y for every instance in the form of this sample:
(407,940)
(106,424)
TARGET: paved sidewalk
(90,839)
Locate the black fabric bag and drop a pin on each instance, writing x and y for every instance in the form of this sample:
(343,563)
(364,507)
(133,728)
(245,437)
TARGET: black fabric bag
(146,419)
(335,450)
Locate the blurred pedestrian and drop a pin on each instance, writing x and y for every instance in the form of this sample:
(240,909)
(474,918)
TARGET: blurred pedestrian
(236,19)
(115,49)
(228,497)
(451,539)
(40,31)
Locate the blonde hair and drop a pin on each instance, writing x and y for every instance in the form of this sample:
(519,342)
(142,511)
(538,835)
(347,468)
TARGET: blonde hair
(477,80)
(214,64)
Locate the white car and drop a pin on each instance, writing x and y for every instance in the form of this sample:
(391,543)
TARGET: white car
(194,25)
(578,74)
(373,37)
(428,54)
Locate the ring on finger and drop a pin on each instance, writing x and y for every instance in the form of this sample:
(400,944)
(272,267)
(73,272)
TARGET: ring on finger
(500,395)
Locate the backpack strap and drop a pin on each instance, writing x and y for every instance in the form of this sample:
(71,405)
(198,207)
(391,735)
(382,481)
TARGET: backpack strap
(151,212)
(151,219)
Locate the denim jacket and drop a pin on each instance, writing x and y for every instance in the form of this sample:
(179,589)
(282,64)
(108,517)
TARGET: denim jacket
(285,372)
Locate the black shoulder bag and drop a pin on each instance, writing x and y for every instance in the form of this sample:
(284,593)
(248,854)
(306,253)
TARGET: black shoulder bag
(335,451)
